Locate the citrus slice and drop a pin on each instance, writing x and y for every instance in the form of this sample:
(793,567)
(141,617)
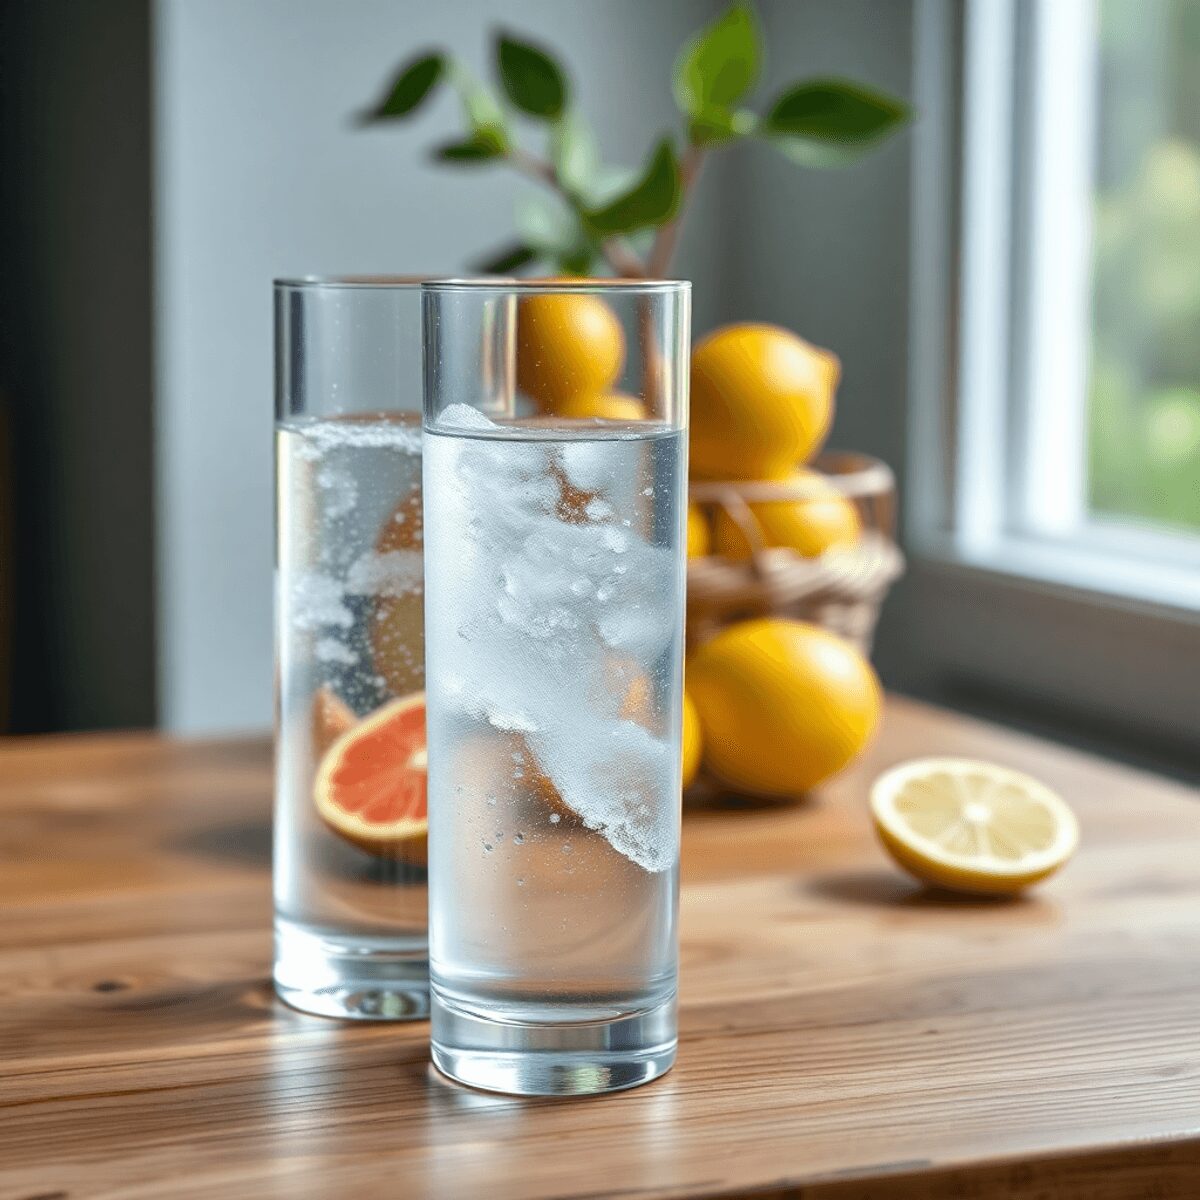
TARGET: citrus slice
(370,786)
(972,826)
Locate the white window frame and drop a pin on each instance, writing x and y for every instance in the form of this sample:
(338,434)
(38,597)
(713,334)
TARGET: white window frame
(1034,594)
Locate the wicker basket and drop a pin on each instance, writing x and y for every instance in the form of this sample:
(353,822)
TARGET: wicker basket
(841,590)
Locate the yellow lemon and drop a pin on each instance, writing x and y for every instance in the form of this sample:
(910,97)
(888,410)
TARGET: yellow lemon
(691,741)
(567,345)
(972,826)
(697,532)
(762,401)
(809,526)
(608,406)
(782,704)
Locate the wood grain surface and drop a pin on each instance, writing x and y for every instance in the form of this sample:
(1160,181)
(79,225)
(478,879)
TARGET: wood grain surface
(845,1034)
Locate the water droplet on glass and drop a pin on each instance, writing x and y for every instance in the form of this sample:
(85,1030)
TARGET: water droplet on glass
(519,838)
(555,818)
(520,883)
(566,848)
(488,847)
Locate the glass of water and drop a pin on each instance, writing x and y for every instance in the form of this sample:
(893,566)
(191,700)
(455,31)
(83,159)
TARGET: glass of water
(350,815)
(555,467)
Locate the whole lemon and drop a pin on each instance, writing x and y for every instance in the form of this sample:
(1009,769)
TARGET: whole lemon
(691,741)
(823,521)
(697,532)
(762,401)
(567,345)
(782,704)
(608,406)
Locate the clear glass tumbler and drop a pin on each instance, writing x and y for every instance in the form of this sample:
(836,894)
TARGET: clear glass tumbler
(555,469)
(350,829)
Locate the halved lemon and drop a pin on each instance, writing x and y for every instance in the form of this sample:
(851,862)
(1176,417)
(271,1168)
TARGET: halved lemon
(371,785)
(972,826)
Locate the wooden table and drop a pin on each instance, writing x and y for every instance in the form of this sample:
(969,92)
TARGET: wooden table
(844,1033)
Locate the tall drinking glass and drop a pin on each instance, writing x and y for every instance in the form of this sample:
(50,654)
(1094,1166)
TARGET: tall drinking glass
(555,466)
(350,830)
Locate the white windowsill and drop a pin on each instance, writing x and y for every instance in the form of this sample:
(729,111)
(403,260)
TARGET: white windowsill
(1143,570)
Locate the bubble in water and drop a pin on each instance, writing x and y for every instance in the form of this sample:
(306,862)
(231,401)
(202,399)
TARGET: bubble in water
(341,493)
(333,650)
(491,799)
(487,847)
(520,883)
(519,838)
(566,848)
(555,818)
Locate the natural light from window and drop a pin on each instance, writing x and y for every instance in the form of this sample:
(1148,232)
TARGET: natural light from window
(1144,390)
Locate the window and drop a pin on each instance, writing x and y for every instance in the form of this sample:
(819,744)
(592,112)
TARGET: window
(1053,478)
(1144,387)
(1074,406)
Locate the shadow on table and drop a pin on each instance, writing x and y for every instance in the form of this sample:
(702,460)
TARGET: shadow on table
(881,888)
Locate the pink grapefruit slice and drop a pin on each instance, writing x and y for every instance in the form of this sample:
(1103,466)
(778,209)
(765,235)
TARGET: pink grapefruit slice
(371,784)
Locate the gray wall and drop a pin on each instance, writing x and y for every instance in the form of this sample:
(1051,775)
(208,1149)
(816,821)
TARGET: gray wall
(260,173)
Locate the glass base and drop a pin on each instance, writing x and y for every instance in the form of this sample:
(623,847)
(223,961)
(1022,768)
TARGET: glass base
(354,978)
(552,1059)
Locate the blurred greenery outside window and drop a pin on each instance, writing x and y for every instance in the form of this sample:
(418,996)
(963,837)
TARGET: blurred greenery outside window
(1144,387)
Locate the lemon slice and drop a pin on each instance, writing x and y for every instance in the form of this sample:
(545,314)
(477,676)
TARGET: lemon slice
(972,826)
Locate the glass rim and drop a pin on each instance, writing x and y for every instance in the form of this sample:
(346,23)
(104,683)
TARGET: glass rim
(550,286)
(365,282)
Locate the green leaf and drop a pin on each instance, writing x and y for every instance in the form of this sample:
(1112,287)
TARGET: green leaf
(652,200)
(509,259)
(720,64)
(580,260)
(480,107)
(532,80)
(717,125)
(827,122)
(574,154)
(609,182)
(410,89)
(544,222)
(483,145)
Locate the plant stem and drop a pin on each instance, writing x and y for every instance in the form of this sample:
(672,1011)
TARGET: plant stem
(658,261)
(616,253)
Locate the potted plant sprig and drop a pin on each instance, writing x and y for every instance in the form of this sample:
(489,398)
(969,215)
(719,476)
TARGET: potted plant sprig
(628,221)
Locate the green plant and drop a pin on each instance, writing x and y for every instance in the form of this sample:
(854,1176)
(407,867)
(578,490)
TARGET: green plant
(631,220)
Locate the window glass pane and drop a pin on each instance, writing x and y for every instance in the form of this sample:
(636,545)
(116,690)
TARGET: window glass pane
(1144,406)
